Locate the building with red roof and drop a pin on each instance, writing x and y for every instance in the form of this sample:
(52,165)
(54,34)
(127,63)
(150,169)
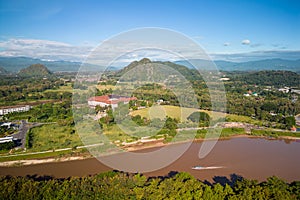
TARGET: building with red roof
(109,100)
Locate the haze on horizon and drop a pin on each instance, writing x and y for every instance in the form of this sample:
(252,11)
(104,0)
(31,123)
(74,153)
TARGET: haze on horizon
(230,30)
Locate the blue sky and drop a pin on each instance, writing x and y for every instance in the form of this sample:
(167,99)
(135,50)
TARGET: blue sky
(222,27)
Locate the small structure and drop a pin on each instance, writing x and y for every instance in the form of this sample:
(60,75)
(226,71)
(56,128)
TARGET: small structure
(159,101)
(297,91)
(10,109)
(109,100)
(224,79)
(8,124)
(250,93)
(6,139)
(284,90)
(293,129)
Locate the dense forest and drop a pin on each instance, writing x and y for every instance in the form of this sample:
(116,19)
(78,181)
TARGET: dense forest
(116,185)
(269,78)
(14,89)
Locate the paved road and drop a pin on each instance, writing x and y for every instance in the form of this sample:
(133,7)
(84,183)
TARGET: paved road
(23,129)
(21,135)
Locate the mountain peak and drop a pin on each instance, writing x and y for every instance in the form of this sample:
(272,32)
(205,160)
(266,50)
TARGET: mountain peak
(144,61)
(35,70)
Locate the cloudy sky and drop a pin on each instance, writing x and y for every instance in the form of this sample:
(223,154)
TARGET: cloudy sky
(236,30)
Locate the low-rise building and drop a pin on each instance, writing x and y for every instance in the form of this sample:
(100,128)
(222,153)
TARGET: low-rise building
(284,90)
(6,139)
(109,100)
(10,109)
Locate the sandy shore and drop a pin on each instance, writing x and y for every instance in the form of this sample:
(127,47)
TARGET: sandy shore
(40,161)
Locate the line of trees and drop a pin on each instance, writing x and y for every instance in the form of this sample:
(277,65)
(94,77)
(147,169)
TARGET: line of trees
(115,185)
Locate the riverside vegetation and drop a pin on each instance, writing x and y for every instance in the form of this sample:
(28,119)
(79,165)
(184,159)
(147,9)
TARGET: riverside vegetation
(117,185)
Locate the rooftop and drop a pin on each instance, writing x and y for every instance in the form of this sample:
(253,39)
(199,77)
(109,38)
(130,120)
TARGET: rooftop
(111,99)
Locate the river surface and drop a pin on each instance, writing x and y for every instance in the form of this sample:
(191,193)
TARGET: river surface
(252,158)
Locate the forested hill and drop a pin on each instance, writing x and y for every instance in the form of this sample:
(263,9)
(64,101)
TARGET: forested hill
(166,68)
(2,71)
(270,78)
(35,70)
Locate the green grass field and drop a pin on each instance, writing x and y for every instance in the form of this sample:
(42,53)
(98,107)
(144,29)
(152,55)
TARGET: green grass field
(167,110)
(53,136)
(64,88)
(244,119)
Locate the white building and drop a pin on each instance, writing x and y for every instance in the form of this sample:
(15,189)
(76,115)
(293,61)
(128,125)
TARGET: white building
(6,139)
(6,110)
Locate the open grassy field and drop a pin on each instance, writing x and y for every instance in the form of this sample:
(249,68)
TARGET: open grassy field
(64,88)
(167,110)
(53,136)
(186,135)
(244,119)
(182,114)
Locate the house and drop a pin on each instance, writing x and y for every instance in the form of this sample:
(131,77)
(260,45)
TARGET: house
(10,109)
(109,100)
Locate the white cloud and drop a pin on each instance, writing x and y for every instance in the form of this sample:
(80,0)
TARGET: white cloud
(43,49)
(246,42)
(226,44)
(127,50)
(53,50)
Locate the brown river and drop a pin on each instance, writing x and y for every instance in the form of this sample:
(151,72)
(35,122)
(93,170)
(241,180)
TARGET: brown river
(252,158)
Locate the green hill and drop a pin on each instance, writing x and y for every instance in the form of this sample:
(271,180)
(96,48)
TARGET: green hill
(2,71)
(145,68)
(35,70)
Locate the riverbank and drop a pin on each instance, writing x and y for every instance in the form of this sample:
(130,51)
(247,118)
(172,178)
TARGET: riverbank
(132,148)
(252,158)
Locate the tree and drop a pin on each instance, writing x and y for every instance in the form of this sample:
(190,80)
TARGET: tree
(289,122)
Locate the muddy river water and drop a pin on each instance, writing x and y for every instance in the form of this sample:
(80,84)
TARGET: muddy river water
(253,158)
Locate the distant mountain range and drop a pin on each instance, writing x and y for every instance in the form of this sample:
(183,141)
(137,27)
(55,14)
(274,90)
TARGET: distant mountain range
(259,65)
(15,64)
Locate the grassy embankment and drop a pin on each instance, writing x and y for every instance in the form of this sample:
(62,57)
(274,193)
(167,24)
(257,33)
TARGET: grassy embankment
(47,138)
(183,113)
